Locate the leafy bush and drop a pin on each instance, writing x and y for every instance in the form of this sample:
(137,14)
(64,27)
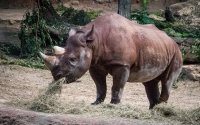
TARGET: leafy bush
(141,17)
(172,32)
(93,14)
(79,18)
(76,17)
(61,8)
(196,49)
(34,35)
(34,62)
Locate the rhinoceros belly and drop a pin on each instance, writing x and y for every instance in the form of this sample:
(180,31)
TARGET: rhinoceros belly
(145,74)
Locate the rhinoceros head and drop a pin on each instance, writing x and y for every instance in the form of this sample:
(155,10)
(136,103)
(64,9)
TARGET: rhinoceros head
(74,59)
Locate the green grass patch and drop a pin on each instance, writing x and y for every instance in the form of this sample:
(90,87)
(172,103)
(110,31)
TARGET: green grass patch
(34,62)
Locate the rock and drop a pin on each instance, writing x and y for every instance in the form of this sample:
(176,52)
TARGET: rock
(191,72)
(185,47)
(12,22)
(187,12)
(103,1)
(75,2)
(189,57)
(178,40)
(152,16)
(134,21)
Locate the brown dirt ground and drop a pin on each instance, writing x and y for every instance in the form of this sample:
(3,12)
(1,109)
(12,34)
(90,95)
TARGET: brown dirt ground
(22,83)
(19,82)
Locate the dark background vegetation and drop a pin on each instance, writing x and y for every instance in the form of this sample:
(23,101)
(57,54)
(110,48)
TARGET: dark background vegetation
(47,26)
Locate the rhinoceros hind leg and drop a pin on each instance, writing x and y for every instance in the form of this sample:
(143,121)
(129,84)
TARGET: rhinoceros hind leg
(167,81)
(99,78)
(152,92)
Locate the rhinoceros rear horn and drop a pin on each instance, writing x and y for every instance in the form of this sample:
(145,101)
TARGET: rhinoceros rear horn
(72,32)
(58,50)
(89,35)
(49,61)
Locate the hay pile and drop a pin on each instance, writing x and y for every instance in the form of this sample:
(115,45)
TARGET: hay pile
(174,113)
(47,100)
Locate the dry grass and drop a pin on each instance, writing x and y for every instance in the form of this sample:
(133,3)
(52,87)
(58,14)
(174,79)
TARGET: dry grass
(174,113)
(48,101)
(47,98)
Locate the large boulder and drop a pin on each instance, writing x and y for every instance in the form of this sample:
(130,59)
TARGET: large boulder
(187,12)
(185,47)
(191,72)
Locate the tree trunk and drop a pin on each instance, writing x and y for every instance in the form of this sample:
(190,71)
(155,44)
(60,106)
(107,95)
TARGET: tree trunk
(124,8)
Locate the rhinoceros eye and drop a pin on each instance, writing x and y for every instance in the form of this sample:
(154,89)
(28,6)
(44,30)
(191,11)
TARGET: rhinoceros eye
(72,61)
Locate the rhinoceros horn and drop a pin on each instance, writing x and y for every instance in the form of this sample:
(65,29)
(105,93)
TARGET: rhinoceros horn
(50,61)
(58,50)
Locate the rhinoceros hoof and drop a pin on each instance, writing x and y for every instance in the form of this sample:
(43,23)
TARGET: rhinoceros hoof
(115,101)
(97,102)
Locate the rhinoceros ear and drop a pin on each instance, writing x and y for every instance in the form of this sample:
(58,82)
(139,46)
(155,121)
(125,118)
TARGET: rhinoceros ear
(49,61)
(89,35)
(58,50)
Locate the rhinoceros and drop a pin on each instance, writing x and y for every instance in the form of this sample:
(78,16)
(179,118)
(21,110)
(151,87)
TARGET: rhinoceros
(129,52)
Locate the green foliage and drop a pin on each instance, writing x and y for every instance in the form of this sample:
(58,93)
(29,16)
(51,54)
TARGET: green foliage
(144,4)
(172,32)
(158,13)
(61,8)
(94,14)
(80,18)
(196,49)
(33,35)
(141,17)
(69,12)
(34,62)
(8,48)
(76,17)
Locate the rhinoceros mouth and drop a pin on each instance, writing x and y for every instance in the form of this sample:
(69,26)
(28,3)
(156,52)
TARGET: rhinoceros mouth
(70,80)
(66,80)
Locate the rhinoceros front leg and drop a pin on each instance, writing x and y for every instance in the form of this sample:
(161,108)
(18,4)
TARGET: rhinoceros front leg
(99,77)
(120,76)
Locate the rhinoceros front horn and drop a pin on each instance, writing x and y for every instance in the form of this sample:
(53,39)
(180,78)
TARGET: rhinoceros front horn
(49,61)
(58,50)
